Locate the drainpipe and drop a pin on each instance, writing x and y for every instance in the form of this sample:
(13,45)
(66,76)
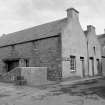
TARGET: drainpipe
(87,57)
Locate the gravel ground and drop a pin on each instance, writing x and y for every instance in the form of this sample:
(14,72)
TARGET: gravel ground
(79,94)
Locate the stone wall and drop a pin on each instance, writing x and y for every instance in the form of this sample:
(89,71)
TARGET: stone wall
(35,75)
(40,53)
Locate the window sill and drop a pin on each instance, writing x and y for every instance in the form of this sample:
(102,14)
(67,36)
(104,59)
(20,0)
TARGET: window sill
(73,71)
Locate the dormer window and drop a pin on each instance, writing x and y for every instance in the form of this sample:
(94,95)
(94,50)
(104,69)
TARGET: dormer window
(34,44)
(12,47)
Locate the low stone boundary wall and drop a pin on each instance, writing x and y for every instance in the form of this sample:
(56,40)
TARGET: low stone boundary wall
(34,75)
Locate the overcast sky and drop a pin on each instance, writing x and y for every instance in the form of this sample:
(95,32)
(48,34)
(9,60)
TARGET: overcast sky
(16,15)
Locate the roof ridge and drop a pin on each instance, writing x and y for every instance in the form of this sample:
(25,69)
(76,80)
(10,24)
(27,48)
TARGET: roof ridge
(58,20)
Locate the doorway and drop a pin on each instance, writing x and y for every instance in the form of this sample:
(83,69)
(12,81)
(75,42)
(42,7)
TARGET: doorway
(11,64)
(99,67)
(91,66)
(82,66)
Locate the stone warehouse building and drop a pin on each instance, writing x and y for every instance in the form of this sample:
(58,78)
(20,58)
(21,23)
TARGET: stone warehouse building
(62,46)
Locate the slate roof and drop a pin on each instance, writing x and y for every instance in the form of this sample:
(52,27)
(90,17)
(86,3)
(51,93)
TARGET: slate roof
(34,33)
(101,36)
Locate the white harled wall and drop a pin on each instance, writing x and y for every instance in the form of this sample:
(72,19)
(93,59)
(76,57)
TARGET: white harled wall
(93,42)
(73,43)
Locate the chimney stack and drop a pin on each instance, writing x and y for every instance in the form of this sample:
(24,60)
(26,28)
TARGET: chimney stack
(104,31)
(72,13)
(90,28)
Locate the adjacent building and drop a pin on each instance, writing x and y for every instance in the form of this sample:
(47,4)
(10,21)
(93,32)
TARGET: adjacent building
(93,52)
(62,46)
(101,39)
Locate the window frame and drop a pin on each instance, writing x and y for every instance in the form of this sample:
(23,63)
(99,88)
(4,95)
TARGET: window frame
(73,63)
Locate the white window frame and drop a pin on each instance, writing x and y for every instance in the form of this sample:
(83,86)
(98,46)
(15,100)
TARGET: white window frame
(73,63)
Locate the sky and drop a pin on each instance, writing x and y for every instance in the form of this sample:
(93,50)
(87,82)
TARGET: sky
(17,15)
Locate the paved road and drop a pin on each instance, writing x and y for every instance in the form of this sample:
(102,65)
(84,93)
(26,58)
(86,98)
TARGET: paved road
(77,94)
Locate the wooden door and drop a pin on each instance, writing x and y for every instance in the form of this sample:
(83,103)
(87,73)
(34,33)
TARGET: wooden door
(91,66)
(82,66)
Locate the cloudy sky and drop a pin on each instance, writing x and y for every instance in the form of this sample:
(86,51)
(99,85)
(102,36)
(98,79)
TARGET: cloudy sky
(20,14)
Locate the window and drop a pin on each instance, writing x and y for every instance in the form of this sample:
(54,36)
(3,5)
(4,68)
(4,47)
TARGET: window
(94,50)
(35,45)
(12,50)
(73,63)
